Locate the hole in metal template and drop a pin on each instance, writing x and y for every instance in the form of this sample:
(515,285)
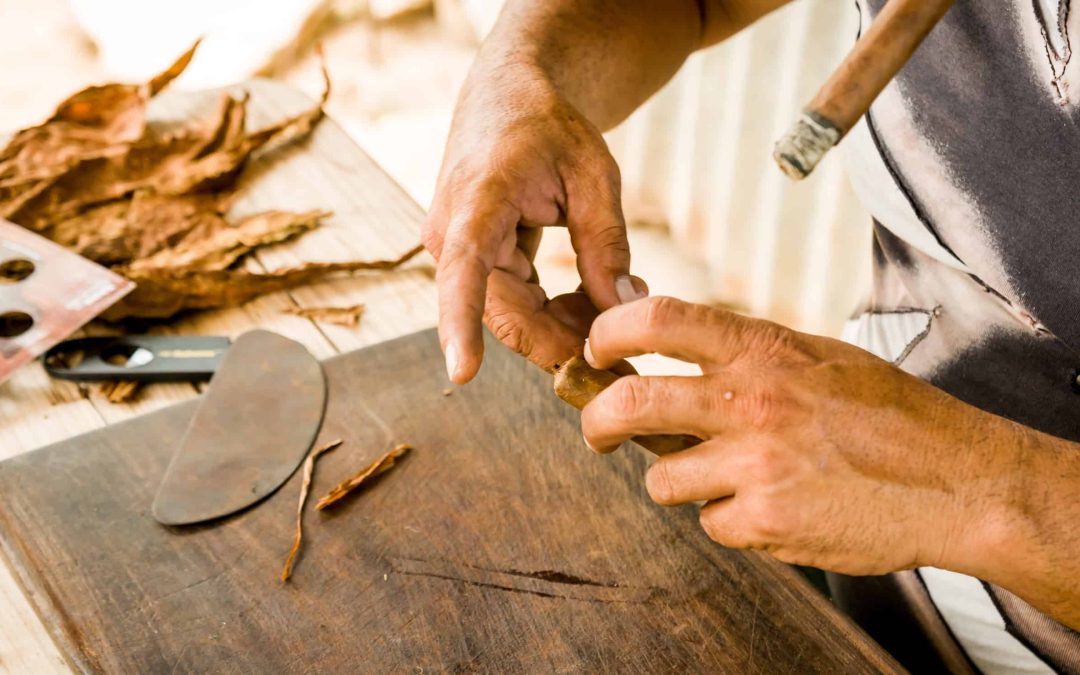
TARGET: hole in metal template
(14,324)
(15,270)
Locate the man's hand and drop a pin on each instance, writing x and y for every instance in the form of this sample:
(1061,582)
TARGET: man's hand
(814,450)
(521,158)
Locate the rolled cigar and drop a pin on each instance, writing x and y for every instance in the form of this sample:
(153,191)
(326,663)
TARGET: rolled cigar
(848,93)
(577,383)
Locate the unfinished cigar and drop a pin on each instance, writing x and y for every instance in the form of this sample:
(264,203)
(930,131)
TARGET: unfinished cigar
(848,93)
(577,383)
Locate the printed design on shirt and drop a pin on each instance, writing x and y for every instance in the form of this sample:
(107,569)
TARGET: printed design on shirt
(889,335)
(1047,27)
(1055,33)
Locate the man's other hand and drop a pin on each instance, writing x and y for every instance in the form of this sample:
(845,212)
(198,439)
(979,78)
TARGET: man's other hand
(520,158)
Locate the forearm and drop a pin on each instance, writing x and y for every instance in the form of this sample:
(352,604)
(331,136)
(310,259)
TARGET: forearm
(606,57)
(1025,537)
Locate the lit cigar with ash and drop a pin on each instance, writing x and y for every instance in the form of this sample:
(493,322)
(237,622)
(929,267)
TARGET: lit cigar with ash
(875,60)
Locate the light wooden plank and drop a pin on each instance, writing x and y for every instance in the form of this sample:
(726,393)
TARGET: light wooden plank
(25,646)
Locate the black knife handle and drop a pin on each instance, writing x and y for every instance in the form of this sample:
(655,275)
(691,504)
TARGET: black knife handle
(140,358)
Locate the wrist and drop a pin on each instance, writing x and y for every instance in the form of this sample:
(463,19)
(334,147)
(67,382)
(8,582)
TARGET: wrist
(540,81)
(996,525)
(506,81)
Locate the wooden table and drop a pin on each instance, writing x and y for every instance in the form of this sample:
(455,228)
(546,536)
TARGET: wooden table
(374,218)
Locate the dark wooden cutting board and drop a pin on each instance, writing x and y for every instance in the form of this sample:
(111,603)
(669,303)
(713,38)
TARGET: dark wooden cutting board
(500,544)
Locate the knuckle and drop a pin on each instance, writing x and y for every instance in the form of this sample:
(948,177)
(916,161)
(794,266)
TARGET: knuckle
(476,198)
(764,408)
(771,521)
(491,184)
(709,524)
(629,396)
(718,530)
(661,312)
(510,331)
(595,173)
(776,343)
(459,256)
(607,169)
(431,238)
(659,483)
(766,466)
(612,238)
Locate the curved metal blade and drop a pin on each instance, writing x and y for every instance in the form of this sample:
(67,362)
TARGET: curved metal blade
(251,431)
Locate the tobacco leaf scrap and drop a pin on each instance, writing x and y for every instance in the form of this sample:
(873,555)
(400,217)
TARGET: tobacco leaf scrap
(341,316)
(305,485)
(163,292)
(350,485)
(120,391)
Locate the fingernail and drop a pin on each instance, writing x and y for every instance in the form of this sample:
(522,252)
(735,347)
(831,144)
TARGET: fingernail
(624,288)
(588,444)
(451,360)
(588,354)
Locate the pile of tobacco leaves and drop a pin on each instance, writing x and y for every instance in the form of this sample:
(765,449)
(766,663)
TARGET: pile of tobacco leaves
(150,201)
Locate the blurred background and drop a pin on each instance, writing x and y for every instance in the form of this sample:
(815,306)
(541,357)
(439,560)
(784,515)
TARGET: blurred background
(712,220)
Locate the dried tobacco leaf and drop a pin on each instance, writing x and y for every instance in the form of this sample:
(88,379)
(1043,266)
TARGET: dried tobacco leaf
(150,200)
(88,122)
(16,192)
(123,170)
(194,159)
(120,232)
(379,466)
(161,293)
(218,169)
(309,470)
(222,246)
(298,126)
(341,316)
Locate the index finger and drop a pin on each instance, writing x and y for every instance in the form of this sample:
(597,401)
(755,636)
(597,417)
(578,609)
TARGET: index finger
(469,249)
(695,333)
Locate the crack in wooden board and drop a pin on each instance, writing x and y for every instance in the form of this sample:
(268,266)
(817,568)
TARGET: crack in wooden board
(547,584)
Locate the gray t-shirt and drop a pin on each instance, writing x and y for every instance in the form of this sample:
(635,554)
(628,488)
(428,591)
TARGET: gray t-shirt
(969,162)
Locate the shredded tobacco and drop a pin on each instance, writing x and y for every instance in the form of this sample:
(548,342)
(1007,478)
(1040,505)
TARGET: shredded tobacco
(309,470)
(120,391)
(379,466)
(151,200)
(341,316)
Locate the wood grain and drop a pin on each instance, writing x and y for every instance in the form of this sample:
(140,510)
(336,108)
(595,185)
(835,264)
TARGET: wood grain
(374,218)
(500,544)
